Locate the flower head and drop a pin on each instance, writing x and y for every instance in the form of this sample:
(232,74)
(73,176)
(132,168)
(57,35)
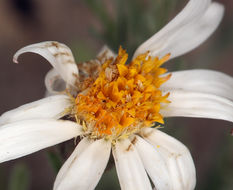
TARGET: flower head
(123,98)
(112,105)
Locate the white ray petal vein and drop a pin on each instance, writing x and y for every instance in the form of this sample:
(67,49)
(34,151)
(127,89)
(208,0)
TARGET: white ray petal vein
(52,107)
(25,137)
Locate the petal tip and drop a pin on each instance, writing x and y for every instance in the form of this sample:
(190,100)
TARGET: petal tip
(15,59)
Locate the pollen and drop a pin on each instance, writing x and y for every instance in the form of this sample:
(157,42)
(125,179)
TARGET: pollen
(124,97)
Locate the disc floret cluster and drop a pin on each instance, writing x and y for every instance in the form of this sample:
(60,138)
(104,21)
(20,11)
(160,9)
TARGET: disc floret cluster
(124,97)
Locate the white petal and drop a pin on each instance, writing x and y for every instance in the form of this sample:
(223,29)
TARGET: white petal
(205,81)
(130,170)
(46,108)
(106,52)
(177,156)
(196,33)
(59,55)
(83,144)
(85,166)
(25,137)
(154,164)
(54,83)
(194,104)
(198,20)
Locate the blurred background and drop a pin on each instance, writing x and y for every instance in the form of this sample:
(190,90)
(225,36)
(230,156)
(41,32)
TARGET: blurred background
(85,26)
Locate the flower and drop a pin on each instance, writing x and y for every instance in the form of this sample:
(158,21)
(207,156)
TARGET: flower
(114,106)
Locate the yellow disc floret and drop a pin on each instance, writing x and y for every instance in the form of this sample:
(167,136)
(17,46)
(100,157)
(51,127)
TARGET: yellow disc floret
(124,98)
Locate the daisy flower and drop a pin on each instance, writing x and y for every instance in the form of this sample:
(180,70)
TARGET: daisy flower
(114,106)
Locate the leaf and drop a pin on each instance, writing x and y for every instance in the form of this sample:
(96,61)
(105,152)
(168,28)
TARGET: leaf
(55,161)
(109,181)
(19,178)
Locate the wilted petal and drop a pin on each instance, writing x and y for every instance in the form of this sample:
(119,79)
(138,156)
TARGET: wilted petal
(106,52)
(154,164)
(85,166)
(53,107)
(54,83)
(59,55)
(204,81)
(194,104)
(25,137)
(130,170)
(177,156)
(198,20)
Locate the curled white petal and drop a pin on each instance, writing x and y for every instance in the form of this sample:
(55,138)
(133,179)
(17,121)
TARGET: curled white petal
(25,137)
(54,83)
(52,107)
(195,23)
(85,166)
(177,156)
(130,170)
(194,104)
(58,54)
(154,164)
(204,81)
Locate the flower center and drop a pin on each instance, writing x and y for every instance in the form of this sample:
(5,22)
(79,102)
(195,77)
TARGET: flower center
(124,98)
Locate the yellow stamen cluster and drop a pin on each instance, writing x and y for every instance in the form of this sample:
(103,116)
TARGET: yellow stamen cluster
(124,98)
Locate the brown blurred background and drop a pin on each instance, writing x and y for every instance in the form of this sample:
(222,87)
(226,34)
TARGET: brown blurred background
(24,22)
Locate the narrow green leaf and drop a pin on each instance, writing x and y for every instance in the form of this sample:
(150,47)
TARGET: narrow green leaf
(19,178)
(55,160)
